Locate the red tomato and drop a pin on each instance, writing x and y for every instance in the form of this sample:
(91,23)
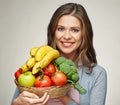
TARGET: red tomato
(17,73)
(59,78)
(44,82)
(49,70)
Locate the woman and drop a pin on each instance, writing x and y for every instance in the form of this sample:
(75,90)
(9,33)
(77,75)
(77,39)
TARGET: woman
(70,32)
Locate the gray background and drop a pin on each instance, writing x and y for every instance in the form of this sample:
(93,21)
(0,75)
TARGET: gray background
(23,24)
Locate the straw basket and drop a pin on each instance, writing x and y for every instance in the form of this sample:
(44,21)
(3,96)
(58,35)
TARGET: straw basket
(53,91)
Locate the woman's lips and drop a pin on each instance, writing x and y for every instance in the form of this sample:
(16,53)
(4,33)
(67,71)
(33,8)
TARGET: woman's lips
(67,44)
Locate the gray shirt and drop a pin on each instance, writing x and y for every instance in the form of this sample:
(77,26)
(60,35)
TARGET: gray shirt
(95,84)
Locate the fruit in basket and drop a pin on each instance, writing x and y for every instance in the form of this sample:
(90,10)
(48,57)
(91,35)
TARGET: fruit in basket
(17,73)
(49,70)
(42,81)
(48,58)
(30,62)
(24,67)
(59,78)
(40,57)
(42,51)
(33,51)
(56,71)
(26,79)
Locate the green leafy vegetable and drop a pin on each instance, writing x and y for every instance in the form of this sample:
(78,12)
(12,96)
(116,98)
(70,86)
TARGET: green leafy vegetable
(68,67)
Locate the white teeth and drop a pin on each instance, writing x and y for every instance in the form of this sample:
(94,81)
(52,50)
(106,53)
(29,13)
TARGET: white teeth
(67,44)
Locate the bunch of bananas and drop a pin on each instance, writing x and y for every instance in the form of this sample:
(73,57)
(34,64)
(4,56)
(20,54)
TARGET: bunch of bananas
(40,57)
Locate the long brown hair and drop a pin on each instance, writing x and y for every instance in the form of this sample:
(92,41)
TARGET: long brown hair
(86,50)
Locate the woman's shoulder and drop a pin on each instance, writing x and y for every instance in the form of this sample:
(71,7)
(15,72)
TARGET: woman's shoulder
(99,72)
(97,75)
(98,69)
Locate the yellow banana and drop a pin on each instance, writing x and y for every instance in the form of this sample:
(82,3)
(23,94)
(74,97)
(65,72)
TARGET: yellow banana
(33,51)
(36,68)
(24,67)
(42,51)
(51,55)
(30,62)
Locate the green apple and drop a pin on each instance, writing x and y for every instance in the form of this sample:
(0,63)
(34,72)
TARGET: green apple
(26,79)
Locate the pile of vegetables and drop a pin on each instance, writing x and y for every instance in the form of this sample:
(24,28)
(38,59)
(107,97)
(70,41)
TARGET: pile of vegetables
(46,68)
(69,69)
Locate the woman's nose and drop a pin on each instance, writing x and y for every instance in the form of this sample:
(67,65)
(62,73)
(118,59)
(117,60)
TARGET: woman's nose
(67,34)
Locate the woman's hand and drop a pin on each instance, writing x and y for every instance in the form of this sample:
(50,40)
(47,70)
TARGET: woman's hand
(27,98)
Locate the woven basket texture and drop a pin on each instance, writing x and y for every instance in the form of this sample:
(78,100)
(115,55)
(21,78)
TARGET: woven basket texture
(53,91)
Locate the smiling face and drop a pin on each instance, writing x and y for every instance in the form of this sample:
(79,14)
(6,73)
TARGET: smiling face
(68,35)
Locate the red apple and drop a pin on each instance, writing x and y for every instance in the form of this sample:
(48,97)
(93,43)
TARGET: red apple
(26,79)
(17,73)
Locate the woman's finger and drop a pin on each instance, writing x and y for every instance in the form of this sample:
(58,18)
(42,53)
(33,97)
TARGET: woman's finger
(28,94)
(46,99)
(41,101)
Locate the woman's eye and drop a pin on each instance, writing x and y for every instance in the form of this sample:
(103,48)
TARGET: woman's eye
(75,30)
(60,29)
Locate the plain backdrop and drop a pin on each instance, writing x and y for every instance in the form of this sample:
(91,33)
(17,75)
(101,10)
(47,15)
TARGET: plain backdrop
(23,25)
